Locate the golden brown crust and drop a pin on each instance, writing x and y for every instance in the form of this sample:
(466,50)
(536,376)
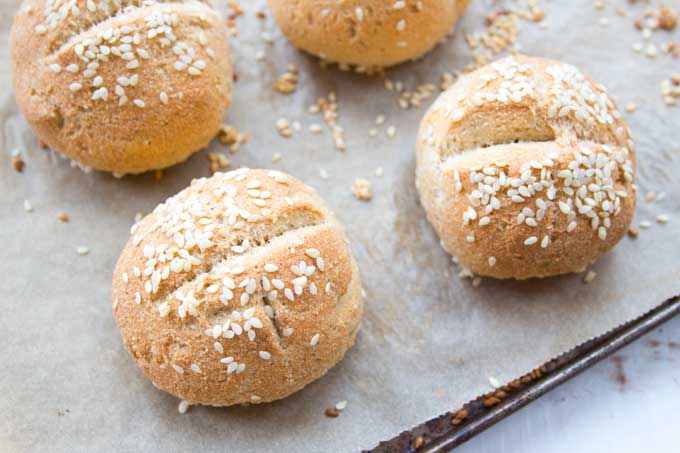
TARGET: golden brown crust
(122,87)
(374,33)
(219,263)
(526,169)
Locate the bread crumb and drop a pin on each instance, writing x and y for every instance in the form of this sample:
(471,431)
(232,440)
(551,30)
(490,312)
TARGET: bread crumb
(218,162)
(667,18)
(459,416)
(361,189)
(286,83)
(331,412)
(328,106)
(631,107)
(63,217)
(633,233)
(18,164)
(227,134)
(158,174)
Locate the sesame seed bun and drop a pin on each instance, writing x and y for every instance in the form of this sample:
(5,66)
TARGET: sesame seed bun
(121,87)
(526,169)
(375,33)
(239,289)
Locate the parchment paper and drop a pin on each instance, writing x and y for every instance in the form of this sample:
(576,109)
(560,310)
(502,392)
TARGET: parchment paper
(429,340)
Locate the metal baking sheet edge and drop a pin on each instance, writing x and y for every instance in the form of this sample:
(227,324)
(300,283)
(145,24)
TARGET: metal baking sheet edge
(440,434)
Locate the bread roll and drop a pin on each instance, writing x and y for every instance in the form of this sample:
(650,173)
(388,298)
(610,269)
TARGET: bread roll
(526,169)
(373,33)
(123,86)
(239,289)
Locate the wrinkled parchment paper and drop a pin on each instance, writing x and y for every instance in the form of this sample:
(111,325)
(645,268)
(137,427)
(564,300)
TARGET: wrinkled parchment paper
(429,340)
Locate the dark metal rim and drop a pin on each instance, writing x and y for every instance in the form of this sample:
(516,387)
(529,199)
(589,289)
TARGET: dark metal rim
(451,429)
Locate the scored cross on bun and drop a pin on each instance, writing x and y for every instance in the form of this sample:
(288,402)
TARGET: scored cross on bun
(526,169)
(239,289)
(122,85)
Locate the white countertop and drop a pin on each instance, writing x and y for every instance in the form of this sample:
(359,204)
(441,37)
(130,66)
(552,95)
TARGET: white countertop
(628,402)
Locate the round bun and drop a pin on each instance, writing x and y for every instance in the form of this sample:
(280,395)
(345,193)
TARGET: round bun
(122,86)
(239,289)
(526,169)
(373,33)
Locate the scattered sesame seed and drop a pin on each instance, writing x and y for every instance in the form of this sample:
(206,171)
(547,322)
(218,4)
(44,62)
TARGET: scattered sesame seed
(83,250)
(183,407)
(589,277)
(495,383)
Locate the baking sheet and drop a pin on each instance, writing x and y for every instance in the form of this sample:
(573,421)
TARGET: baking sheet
(429,340)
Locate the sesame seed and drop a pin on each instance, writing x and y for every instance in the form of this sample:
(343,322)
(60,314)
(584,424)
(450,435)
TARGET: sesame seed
(662,219)
(545,241)
(83,250)
(589,277)
(264,355)
(602,233)
(183,407)
(314,340)
(531,240)
(139,103)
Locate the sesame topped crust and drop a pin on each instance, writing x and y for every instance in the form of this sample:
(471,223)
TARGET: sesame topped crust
(526,169)
(240,280)
(369,34)
(128,69)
